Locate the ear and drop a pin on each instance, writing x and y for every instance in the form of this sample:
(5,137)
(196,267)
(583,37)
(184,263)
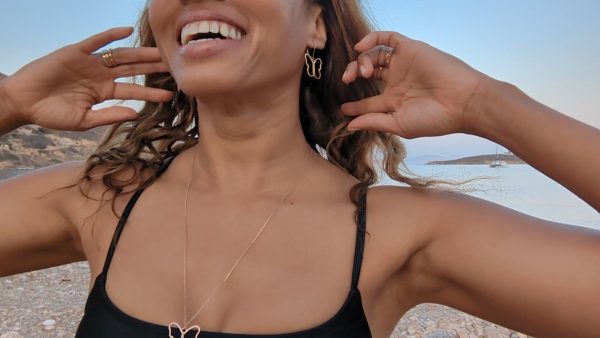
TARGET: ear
(317,37)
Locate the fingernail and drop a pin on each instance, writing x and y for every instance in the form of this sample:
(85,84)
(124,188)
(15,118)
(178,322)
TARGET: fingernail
(345,74)
(363,71)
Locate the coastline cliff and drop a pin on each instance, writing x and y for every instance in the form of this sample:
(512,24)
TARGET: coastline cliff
(481,159)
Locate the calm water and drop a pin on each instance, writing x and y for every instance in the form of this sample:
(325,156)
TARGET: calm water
(519,187)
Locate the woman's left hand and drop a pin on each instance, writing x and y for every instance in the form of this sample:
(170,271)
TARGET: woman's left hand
(427,91)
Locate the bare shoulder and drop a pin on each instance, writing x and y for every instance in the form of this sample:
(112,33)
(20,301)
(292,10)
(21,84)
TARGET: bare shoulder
(400,223)
(36,229)
(404,222)
(396,210)
(48,215)
(464,247)
(52,185)
(62,186)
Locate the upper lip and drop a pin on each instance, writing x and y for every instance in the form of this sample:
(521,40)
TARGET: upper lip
(194,16)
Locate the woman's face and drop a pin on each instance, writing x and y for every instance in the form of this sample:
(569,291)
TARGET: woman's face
(259,43)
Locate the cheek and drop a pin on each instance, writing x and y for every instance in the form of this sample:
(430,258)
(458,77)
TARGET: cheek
(280,38)
(155,9)
(160,16)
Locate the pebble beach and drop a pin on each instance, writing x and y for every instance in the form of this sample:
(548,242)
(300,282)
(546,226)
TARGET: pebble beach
(50,302)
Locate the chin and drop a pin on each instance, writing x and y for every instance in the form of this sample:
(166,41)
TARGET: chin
(201,84)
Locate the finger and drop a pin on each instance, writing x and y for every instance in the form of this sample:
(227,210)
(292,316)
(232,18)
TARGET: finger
(365,65)
(351,72)
(377,57)
(100,40)
(135,55)
(373,39)
(382,73)
(107,116)
(377,122)
(139,69)
(130,91)
(373,104)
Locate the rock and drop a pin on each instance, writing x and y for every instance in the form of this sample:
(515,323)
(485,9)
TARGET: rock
(49,322)
(517,335)
(11,335)
(492,332)
(441,334)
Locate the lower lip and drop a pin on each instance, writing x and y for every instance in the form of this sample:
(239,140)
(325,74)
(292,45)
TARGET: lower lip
(207,48)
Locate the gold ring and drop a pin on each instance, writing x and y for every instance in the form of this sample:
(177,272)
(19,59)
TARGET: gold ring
(380,72)
(388,57)
(108,59)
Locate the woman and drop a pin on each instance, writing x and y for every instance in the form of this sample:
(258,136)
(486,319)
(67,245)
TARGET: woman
(242,229)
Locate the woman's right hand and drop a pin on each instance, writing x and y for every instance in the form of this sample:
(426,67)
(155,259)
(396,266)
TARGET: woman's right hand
(59,90)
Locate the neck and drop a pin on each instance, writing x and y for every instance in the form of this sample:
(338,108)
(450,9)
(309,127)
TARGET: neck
(246,145)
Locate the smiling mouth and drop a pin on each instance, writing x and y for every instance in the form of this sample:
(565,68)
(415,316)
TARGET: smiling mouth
(209,30)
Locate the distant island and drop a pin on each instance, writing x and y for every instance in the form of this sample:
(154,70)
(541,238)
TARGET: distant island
(481,159)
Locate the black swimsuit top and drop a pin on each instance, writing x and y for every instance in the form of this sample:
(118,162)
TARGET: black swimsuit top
(103,319)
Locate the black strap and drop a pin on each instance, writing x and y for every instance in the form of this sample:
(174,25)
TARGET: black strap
(125,215)
(360,237)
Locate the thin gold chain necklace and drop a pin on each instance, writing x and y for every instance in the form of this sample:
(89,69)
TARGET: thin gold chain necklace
(174,326)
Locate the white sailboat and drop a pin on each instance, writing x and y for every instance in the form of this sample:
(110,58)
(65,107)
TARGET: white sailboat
(497,163)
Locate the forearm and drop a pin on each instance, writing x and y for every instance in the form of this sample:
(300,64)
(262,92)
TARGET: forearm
(8,118)
(561,147)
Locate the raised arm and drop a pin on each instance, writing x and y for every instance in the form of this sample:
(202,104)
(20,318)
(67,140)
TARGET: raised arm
(58,91)
(9,119)
(534,275)
(525,273)
(559,146)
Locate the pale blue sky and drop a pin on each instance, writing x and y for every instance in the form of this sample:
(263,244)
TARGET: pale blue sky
(548,48)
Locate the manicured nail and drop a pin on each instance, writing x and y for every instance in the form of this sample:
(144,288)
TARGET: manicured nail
(345,74)
(363,71)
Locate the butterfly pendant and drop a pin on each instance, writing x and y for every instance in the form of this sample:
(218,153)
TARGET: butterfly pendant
(184,331)
(313,66)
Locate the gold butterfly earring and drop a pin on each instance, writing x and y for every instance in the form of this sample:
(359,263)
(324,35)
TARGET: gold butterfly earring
(313,65)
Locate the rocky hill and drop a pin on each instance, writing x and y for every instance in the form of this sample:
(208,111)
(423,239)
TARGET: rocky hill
(483,159)
(34,147)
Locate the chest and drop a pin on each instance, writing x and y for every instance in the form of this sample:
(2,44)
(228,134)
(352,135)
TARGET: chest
(295,276)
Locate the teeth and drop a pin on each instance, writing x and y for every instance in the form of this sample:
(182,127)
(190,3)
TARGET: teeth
(214,27)
(225,30)
(199,27)
(232,34)
(203,27)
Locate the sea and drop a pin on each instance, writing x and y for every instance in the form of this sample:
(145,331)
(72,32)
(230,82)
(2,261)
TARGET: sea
(517,186)
(520,187)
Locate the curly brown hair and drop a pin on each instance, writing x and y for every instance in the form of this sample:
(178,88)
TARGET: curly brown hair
(166,129)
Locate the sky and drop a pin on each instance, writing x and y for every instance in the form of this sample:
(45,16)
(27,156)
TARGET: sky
(550,49)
